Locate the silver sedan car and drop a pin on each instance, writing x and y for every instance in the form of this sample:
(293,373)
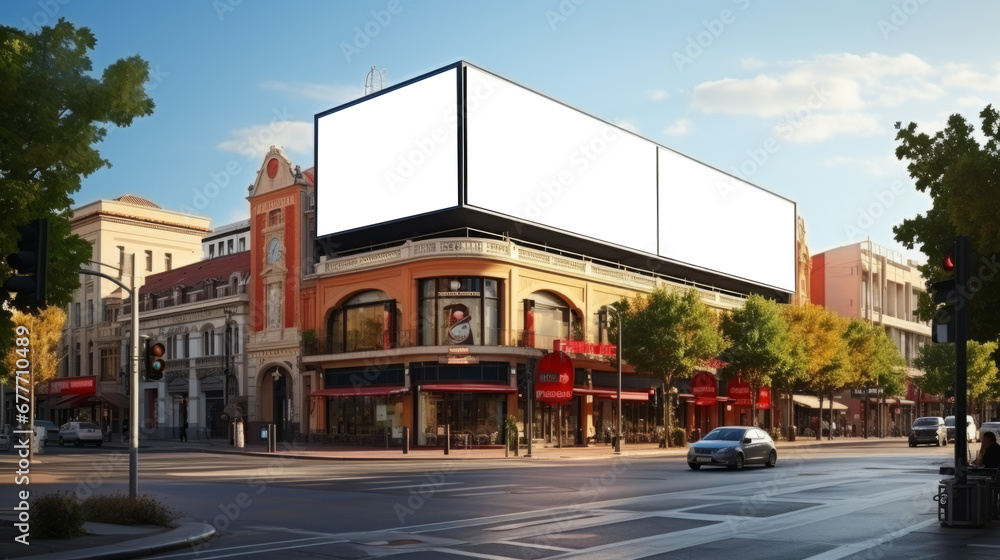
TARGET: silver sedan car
(733,447)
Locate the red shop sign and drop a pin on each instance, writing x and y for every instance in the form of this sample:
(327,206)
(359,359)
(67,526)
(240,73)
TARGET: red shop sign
(703,389)
(554,378)
(739,392)
(764,399)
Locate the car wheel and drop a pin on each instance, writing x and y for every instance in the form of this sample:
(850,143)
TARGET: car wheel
(912,444)
(694,466)
(737,462)
(78,442)
(61,442)
(772,458)
(99,443)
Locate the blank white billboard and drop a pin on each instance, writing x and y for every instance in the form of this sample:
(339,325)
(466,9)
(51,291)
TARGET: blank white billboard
(537,160)
(715,221)
(388,157)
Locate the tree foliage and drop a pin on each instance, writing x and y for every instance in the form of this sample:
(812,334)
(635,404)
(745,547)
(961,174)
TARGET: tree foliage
(53,110)
(962,178)
(667,334)
(760,344)
(44,332)
(875,360)
(938,363)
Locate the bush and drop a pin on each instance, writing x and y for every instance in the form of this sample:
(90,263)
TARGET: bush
(57,516)
(119,509)
(677,437)
(510,429)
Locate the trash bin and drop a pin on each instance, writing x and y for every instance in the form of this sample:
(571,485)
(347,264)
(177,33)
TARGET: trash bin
(962,505)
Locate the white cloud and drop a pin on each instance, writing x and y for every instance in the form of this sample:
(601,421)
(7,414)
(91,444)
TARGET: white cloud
(819,127)
(876,167)
(254,141)
(679,128)
(628,124)
(751,63)
(973,80)
(972,101)
(658,95)
(332,94)
(833,82)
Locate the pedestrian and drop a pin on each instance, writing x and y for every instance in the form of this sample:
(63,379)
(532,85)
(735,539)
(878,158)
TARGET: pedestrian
(184,431)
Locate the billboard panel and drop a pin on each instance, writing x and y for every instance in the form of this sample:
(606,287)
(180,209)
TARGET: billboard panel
(715,221)
(537,160)
(390,156)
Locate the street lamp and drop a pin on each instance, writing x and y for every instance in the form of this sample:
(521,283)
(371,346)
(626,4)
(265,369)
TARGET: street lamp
(618,358)
(229,374)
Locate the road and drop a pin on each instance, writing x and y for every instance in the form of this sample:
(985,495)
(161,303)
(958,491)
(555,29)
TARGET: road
(828,503)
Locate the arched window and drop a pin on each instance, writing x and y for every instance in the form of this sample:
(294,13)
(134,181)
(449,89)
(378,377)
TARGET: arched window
(366,321)
(546,315)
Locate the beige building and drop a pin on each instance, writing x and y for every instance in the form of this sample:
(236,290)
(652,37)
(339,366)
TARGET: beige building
(872,283)
(161,240)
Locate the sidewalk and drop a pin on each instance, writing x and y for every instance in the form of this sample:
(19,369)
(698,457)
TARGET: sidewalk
(538,452)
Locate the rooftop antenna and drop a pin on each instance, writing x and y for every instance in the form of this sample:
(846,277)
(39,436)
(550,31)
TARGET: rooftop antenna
(375,81)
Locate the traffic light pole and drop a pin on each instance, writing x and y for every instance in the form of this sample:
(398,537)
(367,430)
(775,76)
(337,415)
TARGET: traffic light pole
(133,416)
(963,263)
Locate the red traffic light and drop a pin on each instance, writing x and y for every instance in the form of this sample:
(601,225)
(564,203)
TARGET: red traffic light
(948,263)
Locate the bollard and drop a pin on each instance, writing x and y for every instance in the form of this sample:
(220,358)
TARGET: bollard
(506,442)
(406,440)
(272,438)
(447,439)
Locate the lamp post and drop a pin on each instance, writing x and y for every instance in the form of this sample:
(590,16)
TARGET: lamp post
(229,374)
(618,358)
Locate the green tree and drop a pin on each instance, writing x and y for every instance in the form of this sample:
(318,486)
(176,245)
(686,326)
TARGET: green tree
(962,178)
(53,110)
(760,345)
(938,363)
(667,334)
(875,360)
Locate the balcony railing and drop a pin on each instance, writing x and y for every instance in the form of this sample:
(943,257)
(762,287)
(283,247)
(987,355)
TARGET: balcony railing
(386,340)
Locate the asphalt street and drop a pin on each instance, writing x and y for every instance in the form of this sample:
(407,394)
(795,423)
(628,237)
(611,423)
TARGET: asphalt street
(835,502)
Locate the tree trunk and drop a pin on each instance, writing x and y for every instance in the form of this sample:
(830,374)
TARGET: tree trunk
(819,425)
(667,413)
(831,416)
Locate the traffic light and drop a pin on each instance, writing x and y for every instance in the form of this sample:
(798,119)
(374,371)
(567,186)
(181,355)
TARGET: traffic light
(154,361)
(953,292)
(30,263)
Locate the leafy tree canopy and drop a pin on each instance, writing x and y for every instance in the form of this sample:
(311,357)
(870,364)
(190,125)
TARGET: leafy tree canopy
(938,363)
(53,110)
(875,360)
(38,345)
(962,178)
(760,343)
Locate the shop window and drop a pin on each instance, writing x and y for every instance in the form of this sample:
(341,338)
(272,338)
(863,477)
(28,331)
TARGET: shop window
(459,310)
(366,321)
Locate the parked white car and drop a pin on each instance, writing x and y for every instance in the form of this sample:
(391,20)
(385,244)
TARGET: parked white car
(79,433)
(990,427)
(971,434)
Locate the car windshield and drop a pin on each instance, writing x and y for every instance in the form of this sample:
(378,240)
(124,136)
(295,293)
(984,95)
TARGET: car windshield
(949,421)
(926,422)
(725,435)
(88,426)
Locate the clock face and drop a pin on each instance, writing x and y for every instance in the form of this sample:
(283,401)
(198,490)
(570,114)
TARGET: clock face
(273,251)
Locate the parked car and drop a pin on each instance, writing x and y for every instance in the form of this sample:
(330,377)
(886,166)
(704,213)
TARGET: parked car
(79,433)
(733,447)
(51,430)
(989,427)
(928,429)
(972,434)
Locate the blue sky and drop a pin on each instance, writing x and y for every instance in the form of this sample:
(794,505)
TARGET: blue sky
(797,97)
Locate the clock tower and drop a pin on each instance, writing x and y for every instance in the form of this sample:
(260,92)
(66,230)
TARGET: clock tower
(281,201)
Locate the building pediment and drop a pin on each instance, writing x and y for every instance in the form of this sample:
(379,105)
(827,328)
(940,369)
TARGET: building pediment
(276,172)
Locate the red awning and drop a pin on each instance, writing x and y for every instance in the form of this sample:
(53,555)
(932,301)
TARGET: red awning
(360,391)
(468,388)
(116,400)
(606,393)
(70,401)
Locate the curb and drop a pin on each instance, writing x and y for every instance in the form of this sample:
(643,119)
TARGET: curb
(188,533)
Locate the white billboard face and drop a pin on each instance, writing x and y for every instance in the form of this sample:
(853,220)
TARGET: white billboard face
(389,157)
(714,221)
(537,160)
